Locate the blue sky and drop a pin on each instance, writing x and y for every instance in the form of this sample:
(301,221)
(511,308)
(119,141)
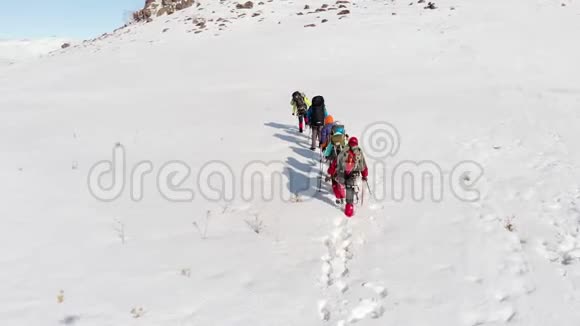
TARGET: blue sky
(63,18)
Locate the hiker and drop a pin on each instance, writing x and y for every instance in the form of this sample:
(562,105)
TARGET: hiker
(335,141)
(316,115)
(346,169)
(325,132)
(300,104)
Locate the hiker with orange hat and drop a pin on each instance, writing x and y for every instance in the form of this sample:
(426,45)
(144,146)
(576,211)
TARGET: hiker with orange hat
(346,169)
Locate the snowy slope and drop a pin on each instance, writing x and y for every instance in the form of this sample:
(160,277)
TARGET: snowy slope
(12,51)
(485,82)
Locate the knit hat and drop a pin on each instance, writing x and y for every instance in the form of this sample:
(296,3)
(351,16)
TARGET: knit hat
(328,120)
(353,142)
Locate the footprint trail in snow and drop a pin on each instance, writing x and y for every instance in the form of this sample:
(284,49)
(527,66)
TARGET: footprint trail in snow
(336,283)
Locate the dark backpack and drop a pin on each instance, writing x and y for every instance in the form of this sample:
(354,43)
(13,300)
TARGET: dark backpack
(317,116)
(317,113)
(318,101)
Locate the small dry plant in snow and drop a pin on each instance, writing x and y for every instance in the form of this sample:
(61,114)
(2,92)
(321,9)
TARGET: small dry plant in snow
(256,224)
(120,230)
(509,223)
(296,198)
(203,230)
(137,312)
(186,272)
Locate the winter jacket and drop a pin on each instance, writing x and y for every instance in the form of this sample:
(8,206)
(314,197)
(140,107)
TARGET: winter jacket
(328,150)
(295,107)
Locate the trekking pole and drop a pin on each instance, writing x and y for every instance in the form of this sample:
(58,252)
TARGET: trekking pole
(362,199)
(320,176)
(369,188)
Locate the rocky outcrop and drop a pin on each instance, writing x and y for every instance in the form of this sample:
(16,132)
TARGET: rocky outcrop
(246,5)
(155,8)
(140,15)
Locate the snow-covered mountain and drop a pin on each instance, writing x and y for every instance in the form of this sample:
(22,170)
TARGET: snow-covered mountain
(12,51)
(479,97)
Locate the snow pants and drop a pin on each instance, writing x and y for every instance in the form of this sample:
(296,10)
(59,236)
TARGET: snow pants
(301,121)
(338,190)
(316,130)
(351,189)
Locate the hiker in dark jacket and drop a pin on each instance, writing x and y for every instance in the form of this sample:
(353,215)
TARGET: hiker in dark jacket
(315,116)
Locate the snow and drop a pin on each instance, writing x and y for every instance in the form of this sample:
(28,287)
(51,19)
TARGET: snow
(492,82)
(14,51)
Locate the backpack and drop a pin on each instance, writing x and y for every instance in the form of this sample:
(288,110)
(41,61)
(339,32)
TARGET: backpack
(300,105)
(317,111)
(317,116)
(318,101)
(301,109)
(350,162)
(337,139)
(337,129)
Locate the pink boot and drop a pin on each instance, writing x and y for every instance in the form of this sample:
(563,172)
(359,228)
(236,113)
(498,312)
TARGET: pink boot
(349,210)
